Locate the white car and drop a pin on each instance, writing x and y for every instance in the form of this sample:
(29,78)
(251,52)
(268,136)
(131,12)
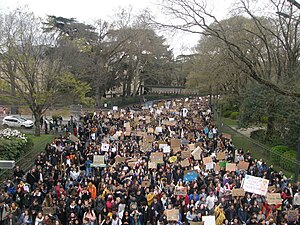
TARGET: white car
(16,121)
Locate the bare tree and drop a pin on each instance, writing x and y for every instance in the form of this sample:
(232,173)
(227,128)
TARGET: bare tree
(269,49)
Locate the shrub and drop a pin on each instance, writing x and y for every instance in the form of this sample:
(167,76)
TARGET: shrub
(227,113)
(286,164)
(264,119)
(277,152)
(258,135)
(13,144)
(234,115)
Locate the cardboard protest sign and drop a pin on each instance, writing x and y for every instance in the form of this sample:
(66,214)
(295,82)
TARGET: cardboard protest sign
(209,220)
(197,153)
(157,157)
(165,122)
(140,134)
(185,154)
(48,210)
(150,130)
(175,143)
(274,198)
(145,183)
(192,147)
(104,147)
(221,155)
(152,165)
(207,160)
(231,167)
(98,161)
(119,159)
(185,163)
(238,192)
(217,168)
(242,165)
(292,215)
(255,185)
(180,191)
(150,138)
(172,214)
(74,138)
(175,150)
(196,223)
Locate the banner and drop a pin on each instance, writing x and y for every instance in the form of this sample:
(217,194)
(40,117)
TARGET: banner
(255,185)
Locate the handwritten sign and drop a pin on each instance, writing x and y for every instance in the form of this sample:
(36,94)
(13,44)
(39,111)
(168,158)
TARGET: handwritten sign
(242,165)
(274,198)
(98,161)
(175,143)
(185,154)
(207,160)
(157,157)
(185,163)
(255,185)
(221,156)
(238,192)
(231,167)
(180,191)
(172,214)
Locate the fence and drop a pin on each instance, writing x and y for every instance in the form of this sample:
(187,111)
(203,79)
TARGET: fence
(260,151)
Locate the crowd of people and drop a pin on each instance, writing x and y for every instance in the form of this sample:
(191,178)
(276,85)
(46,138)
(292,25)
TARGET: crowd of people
(145,166)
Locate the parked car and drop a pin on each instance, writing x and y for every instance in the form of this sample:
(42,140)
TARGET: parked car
(17,121)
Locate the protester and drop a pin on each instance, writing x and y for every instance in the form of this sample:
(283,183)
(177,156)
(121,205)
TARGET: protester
(165,164)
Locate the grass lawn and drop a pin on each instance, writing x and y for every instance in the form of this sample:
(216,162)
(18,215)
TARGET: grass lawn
(230,122)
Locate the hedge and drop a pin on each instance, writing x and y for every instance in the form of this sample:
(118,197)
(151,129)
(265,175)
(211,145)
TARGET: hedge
(287,165)
(277,152)
(13,149)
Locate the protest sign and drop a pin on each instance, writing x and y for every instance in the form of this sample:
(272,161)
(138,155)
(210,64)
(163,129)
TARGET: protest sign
(119,159)
(172,159)
(221,155)
(185,154)
(217,168)
(180,190)
(197,153)
(48,210)
(242,165)
(131,163)
(209,220)
(158,129)
(192,147)
(196,223)
(150,130)
(166,149)
(175,143)
(274,198)
(157,157)
(152,165)
(185,163)
(140,134)
(292,215)
(175,150)
(209,166)
(150,138)
(231,167)
(172,214)
(255,185)
(207,160)
(238,192)
(98,161)
(115,108)
(190,176)
(145,183)
(104,147)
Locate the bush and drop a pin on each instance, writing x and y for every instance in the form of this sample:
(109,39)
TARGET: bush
(288,165)
(227,113)
(277,152)
(13,144)
(258,135)
(234,115)
(264,119)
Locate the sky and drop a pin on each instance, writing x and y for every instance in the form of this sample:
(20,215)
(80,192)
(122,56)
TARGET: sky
(90,10)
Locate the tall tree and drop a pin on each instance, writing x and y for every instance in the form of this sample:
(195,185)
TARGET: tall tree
(30,63)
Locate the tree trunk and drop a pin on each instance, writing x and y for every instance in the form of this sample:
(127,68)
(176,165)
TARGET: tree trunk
(97,96)
(37,123)
(270,129)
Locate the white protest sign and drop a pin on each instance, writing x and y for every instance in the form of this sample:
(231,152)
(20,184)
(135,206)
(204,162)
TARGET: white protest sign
(104,147)
(255,185)
(115,108)
(209,220)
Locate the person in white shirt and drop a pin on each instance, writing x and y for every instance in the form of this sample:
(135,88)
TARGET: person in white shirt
(210,201)
(296,199)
